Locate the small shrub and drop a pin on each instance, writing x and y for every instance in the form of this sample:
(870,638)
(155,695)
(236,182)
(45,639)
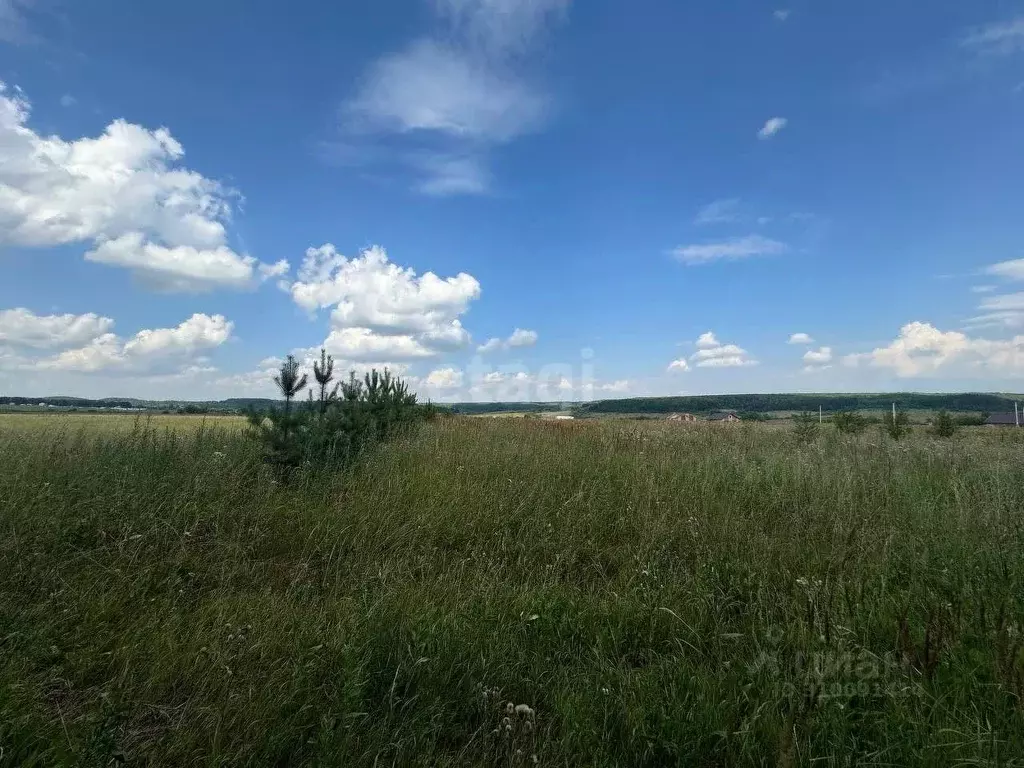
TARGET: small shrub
(896,424)
(971,420)
(944,425)
(805,427)
(849,422)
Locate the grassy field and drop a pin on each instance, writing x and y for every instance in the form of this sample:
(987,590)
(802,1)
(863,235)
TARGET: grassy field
(114,422)
(653,594)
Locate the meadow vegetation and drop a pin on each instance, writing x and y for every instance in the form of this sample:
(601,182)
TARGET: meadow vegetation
(511,592)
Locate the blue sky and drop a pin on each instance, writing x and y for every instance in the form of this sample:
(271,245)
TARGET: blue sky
(512,199)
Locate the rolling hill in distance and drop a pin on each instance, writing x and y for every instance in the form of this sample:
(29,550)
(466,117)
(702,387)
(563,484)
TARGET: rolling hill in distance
(979,402)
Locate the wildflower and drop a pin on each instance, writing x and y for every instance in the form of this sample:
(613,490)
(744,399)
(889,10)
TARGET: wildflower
(523,709)
(510,707)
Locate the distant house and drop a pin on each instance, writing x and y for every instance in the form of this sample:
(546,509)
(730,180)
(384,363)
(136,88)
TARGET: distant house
(726,417)
(1002,420)
(681,417)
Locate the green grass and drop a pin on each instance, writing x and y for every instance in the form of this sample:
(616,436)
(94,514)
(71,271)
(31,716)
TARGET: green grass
(119,422)
(657,595)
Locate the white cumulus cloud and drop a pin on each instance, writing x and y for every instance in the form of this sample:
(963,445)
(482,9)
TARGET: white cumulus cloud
(772,127)
(364,344)
(520,338)
(382,311)
(258,382)
(21,327)
(800,338)
(818,356)
(707,340)
(148,351)
(182,268)
(711,353)
(491,345)
(551,383)
(444,378)
(369,290)
(125,193)
(818,359)
(921,349)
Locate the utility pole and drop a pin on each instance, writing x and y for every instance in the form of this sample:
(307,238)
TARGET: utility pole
(894,414)
(1016,414)
(819,414)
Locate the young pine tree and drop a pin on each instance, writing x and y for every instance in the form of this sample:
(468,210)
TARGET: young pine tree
(805,427)
(282,448)
(289,382)
(339,424)
(323,372)
(944,425)
(849,422)
(896,425)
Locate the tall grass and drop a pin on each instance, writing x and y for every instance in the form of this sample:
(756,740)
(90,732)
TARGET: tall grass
(655,594)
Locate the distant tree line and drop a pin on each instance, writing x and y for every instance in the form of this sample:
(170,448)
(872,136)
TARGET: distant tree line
(748,407)
(68,402)
(757,404)
(231,405)
(471,409)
